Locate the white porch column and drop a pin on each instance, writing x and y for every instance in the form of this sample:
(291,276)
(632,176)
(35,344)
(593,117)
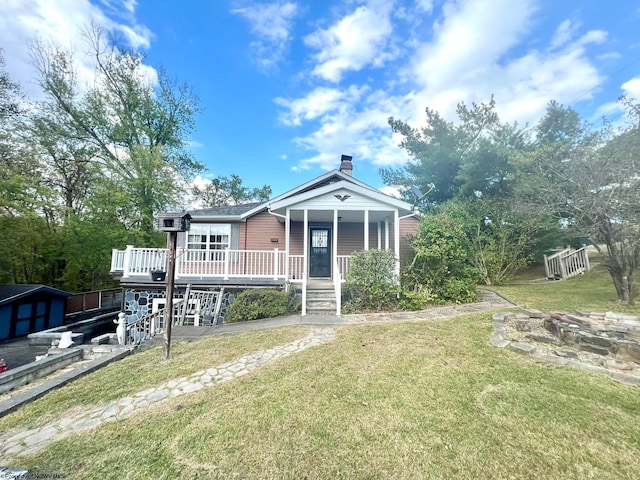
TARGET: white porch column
(287,234)
(386,233)
(334,241)
(396,239)
(366,229)
(304,260)
(379,228)
(305,248)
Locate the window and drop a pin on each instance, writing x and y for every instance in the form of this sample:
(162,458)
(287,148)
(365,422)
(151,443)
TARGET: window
(211,240)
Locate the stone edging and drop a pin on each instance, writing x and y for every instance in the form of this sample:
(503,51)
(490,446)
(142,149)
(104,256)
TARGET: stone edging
(498,339)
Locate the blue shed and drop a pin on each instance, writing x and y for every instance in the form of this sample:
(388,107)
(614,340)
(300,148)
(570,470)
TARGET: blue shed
(26,309)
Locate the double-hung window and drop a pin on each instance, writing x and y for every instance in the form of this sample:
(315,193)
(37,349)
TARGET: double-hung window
(210,240)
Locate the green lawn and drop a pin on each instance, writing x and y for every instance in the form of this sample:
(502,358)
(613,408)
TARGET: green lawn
(592,291)
(402,401)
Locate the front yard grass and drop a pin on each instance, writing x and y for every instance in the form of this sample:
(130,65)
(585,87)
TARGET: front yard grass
(592,291)
(407,400)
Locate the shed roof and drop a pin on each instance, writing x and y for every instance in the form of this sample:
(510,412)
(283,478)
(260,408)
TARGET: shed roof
(9,293)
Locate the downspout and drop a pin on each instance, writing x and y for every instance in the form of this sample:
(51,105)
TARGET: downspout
(276,214)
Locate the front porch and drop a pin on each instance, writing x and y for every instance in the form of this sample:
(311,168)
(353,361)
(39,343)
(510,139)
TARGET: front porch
(135,265)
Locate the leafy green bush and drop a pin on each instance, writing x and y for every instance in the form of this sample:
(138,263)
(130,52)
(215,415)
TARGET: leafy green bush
(415,299)
(259,303)
(441,264)
(371,282)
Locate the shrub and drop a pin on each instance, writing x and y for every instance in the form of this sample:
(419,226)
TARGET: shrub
(258,303)
(441,264)
(416,299)
(371,282)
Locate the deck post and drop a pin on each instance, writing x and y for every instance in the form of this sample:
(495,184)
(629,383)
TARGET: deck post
(586,259)
(546,267)
(127,261)
(563,267)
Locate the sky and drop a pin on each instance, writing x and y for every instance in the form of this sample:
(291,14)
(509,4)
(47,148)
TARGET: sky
(288,86)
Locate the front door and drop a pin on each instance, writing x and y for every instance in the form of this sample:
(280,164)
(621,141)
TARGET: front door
(320,253)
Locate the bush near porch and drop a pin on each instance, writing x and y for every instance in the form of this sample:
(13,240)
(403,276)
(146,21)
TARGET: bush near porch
(371,282)
(254,304)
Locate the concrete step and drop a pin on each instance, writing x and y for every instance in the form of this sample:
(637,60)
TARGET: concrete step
(321,305)
(321,295)
(319,285)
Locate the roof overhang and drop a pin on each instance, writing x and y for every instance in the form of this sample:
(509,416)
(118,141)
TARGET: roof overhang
(342,195)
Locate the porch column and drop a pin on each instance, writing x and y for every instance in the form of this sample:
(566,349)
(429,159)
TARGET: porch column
(305,248)
(304,261)
(396,239)
(366,229)
(379,228)
(287,234)
(386,233)
(334,240)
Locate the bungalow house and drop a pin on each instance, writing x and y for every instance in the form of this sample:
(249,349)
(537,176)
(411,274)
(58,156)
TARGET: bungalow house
(304,237)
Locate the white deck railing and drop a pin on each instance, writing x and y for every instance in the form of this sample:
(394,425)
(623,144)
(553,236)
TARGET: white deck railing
(222,264)
(296,267)
(567,263)
(343,265)
(145,328)
(202,263)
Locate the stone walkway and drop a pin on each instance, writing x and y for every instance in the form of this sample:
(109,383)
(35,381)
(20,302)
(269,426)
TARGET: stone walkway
(30,441)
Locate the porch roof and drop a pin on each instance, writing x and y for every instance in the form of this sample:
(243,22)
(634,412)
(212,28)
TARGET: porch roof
(342,196)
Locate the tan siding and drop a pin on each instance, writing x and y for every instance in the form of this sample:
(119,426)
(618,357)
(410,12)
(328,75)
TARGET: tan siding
(260,229)
(408,226)
(350,238)
(296,239)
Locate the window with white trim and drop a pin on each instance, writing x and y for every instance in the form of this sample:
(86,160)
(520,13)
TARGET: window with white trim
(210,239)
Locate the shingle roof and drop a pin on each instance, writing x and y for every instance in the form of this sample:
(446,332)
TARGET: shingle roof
(9,293)
(227,210)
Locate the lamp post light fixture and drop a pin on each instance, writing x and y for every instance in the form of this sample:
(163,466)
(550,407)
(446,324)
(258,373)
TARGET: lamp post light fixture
(172,223)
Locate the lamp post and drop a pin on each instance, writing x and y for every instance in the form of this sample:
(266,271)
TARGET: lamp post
(172,223)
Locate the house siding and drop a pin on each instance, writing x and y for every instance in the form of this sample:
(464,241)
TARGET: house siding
(408,227)
(259,230)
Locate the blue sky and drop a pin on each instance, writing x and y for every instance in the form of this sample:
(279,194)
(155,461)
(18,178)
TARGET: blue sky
(287,86)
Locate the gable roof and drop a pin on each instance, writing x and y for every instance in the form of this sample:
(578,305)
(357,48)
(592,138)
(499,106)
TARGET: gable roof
(328,182)
(9,293)
(366,192)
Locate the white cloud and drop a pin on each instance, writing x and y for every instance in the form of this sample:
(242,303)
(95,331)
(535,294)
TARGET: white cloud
(357,40)
(632,88)
(424,6)
(467,53)
(565,32)
(271,24)
(62,23)
(318,103)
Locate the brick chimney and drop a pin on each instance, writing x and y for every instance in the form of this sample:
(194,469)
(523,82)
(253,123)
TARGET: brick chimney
(346,166)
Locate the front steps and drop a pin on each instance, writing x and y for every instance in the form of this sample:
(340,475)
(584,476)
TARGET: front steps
(321,297)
